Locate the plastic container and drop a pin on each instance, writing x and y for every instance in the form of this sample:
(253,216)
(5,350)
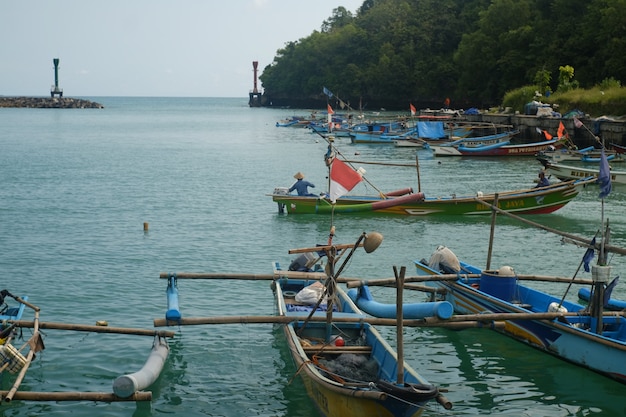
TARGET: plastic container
(499,286)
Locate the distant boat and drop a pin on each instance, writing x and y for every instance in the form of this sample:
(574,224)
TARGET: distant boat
(569,172)
(589,154)
(480,143)
(524,149)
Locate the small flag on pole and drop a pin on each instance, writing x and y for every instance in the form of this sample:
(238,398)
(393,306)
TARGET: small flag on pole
(413,109)
(588,257)
(330,110)
(342,179)
(604,176)
(561,132)
(327,92)
(577,123)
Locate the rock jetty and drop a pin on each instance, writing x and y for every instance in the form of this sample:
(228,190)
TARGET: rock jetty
(49,103)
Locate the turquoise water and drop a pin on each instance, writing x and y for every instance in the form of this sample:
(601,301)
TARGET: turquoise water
(78,185)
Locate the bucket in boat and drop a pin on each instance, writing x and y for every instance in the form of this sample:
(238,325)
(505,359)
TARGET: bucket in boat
(500,284)
(13,357)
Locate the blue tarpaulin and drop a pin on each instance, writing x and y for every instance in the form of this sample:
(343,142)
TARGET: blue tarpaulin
(430,130)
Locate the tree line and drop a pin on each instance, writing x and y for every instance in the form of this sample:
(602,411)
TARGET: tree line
(390,53)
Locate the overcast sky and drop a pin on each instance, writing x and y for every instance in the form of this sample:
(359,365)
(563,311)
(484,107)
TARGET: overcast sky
(184,48)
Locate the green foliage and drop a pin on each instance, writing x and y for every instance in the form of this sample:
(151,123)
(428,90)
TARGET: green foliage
(517,99)
(542,80)
(397,51)
(596,101)
(566,82)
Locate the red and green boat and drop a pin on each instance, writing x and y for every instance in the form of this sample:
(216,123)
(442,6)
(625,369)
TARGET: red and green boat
(406,202)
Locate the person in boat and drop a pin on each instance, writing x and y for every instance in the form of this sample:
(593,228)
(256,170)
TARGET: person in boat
(301,186)
(543,181)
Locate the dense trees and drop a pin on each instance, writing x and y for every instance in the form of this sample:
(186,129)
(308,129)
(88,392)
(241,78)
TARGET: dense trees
(392,52)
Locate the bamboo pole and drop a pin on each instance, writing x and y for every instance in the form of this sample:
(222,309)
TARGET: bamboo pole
(492,232)
(94,329)
(455,277)
(609,248)
(76,396)
(458,323)
(355,282)
(399,321)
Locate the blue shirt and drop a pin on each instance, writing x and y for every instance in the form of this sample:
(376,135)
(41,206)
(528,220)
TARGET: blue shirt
(302,187)
(543,182)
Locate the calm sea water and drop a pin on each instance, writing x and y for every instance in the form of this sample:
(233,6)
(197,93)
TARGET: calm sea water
(78,185)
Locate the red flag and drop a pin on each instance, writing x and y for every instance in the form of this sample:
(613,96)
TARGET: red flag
(561,132)
(342,179)
(413,109)
(330,110)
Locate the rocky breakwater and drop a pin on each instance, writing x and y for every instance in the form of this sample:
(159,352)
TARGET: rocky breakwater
(49,103)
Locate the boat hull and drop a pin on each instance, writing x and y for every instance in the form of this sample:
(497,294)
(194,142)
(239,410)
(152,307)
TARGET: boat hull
(309,344)
(503,150)
(568,172)
(533,201)
(605,354)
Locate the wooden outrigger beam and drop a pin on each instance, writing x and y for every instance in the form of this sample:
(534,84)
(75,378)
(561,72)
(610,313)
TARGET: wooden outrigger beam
(76,396)
(455,277)
(607,248)
(191,321)
(94,329)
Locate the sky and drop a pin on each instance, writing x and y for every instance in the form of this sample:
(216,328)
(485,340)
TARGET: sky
(160,48)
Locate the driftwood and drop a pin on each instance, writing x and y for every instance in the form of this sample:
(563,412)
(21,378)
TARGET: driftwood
(94,329)
(76,396)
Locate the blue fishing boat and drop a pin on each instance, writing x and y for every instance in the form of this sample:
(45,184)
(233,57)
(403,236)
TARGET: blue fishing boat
(595,341)
(347,367)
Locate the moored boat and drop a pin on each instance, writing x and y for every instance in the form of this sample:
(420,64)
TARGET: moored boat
(573,333)
(347,367)
(530,201)
(570,172)
(585,335)
(524,149)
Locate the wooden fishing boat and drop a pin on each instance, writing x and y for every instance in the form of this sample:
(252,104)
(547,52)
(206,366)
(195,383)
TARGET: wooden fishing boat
(619,149)
(348,369)
(320,353)
(588,155)
(527,201)
(570,172)
(597,343)
(585,335)
(524,149)
(479,142)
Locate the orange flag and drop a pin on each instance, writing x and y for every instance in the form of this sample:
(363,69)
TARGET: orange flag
(561,132)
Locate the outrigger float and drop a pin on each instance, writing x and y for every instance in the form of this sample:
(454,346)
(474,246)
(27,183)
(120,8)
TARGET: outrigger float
(13,360)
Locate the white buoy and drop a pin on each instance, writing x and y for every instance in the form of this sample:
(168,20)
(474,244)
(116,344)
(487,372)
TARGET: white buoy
(126,385)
